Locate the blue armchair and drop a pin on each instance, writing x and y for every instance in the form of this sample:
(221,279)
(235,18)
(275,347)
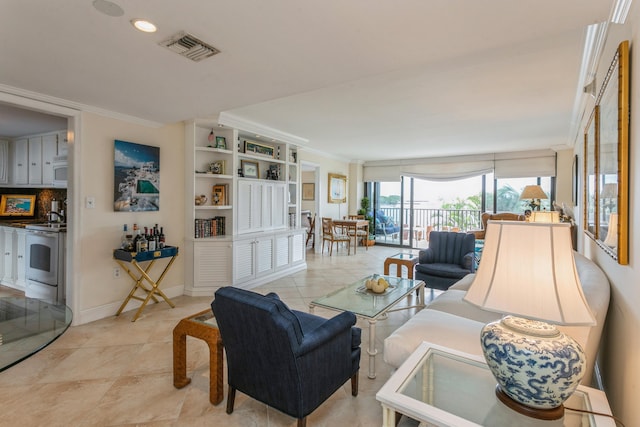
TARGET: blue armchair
(290,360)
(384,225)
(449,257)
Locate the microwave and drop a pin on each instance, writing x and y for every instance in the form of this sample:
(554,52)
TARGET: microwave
(60,171)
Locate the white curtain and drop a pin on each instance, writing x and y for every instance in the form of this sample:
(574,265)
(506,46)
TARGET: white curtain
(505,165)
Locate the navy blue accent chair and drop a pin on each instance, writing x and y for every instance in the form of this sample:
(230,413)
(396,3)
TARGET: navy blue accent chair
(290,360)
(384,225)
(449,257)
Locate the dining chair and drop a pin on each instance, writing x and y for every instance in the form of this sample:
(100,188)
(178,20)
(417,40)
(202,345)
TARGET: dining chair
(311,232)
(358,233)
(329,234)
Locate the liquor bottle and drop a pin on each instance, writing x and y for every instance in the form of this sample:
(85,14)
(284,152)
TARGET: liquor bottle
(151,241)
(142,245)
(161,238)
(123,239)
(136,237)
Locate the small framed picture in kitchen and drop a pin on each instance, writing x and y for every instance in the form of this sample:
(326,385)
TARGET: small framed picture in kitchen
(17,205)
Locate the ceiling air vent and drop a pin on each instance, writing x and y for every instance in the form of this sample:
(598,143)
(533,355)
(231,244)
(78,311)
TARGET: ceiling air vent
(190,47)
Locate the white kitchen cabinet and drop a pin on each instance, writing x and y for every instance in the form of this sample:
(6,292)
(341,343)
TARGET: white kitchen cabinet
(4,161)
(49,152)
(20,161)
(62,146)
(20,253)
(42,150)
(35,160)
(13,242)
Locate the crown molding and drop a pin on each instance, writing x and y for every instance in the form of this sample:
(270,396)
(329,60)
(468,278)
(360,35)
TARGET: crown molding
(240,123)
(27,98)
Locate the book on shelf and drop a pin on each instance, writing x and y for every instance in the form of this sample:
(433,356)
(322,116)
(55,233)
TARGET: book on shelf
(209,227)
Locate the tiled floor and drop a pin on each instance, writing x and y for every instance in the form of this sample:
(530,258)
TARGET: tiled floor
(114,372)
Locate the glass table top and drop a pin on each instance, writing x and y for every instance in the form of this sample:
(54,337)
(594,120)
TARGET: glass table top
(27,325)
(466,388)
(404,255)
(363,302)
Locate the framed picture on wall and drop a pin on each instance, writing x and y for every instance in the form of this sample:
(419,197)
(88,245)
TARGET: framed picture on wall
(17,205)
(337,188)
(308,191)
(136,175)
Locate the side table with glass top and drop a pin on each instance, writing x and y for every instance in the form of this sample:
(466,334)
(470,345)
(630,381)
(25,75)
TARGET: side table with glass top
(203,326)
(407,259)
(445,387)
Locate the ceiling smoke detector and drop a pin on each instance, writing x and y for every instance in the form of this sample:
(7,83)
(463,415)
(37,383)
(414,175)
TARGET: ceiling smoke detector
(189,46)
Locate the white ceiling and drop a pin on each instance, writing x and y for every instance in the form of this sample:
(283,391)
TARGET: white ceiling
(361,79)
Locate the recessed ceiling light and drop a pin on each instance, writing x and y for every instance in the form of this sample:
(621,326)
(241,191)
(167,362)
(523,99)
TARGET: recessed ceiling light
(144,25)
(108,8)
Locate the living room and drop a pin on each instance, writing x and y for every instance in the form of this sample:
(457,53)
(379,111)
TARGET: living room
(94,232)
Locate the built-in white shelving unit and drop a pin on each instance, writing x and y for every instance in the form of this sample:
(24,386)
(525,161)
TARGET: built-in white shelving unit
(242,208)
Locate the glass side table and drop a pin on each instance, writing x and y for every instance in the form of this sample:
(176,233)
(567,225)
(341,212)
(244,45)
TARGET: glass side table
(444,387)
(203,326)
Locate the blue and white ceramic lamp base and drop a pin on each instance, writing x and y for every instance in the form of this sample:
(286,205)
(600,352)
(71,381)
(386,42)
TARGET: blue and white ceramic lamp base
(536,366)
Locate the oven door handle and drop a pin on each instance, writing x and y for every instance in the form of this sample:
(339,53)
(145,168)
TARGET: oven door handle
(43,233)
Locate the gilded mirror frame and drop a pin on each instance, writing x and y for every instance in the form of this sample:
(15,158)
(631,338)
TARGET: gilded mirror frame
(606,149)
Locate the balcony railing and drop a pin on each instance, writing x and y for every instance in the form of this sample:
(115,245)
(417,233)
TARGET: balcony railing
(436,219)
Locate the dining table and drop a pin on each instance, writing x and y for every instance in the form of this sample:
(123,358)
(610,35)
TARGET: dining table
(351,227)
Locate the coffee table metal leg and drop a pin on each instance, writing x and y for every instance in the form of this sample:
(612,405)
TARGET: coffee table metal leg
(372,348)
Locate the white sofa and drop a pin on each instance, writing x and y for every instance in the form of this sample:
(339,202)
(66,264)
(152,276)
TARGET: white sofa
(454,323)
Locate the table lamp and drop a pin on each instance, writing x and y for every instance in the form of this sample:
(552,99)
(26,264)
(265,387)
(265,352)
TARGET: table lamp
(528,273)
(534,194)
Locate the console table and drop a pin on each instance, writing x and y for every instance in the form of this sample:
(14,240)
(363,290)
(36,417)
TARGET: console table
(140,275)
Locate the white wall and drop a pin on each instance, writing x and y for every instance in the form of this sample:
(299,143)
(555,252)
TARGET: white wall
(98,294)
(621,340)
(327,165)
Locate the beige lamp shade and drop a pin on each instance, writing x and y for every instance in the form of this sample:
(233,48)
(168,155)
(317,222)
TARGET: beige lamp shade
(545,216)
(609,191)
(528,270)
(612,231)
(532,192)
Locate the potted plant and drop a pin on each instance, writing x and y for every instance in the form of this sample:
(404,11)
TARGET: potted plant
(365,209)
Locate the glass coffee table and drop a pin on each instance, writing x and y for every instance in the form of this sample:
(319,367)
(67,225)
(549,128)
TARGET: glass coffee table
(370,306)
(27,325)
(444,387)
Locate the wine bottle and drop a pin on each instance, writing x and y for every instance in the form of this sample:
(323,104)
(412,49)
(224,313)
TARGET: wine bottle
(151,241)
(161,238)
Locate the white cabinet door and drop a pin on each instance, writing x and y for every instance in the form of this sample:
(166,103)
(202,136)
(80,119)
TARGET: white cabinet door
(298,247)
(243,260)
(4,161)
(20,251)
(49,151)
(282,250)
(21,161)
(8,259)
(212,264)
(249,206)
(264,255)
(267,206)
(280,198)
(2,251)
(35,160)
(62,144)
